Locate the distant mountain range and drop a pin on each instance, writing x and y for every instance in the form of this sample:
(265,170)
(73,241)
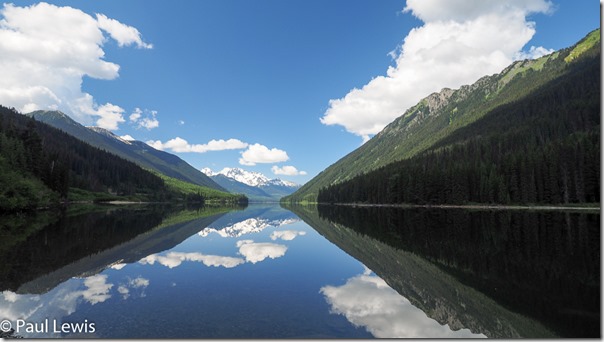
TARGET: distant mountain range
(462,139)
(135,151)
(256,186)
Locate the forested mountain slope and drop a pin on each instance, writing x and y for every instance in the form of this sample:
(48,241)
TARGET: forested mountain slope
(39,164)
(542,148)
(135,151)
(432,124)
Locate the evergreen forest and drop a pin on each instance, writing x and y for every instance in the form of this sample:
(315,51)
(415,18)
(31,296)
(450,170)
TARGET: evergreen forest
(41,166)
(543,148)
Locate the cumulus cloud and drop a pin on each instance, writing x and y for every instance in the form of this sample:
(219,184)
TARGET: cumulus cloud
(47,50)
(259,154)
(287,170)
(110,116)
(174,259)
(286,235)
(179,144)
(367,301)
(136,114)
(460,41)
(258,251)
(123,34)
(149,121)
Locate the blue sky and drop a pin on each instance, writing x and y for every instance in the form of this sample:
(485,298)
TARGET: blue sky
(276,77)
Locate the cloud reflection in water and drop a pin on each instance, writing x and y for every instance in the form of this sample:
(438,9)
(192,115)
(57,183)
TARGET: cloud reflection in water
(366,300)
(174,259)
(286,235)
(257,251)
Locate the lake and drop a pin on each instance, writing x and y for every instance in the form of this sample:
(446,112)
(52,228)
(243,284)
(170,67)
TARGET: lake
(263,271)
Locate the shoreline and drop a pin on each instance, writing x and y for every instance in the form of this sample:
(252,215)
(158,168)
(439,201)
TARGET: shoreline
(468,206)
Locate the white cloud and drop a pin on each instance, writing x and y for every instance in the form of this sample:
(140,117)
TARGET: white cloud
(533,53)
(111,116)
(258,251)
(181,122)
(46,52)
(287,170)
(123,34)
(464,10)
(136,114)
(460,41)
(257,153)
(149,121)
(174,259)
(367,301)
(286,235)
(179,144)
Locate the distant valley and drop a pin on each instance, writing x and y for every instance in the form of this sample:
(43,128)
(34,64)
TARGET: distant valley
(256,186)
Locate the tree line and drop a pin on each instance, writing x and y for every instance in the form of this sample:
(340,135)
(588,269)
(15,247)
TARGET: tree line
(40,165)
(541,149)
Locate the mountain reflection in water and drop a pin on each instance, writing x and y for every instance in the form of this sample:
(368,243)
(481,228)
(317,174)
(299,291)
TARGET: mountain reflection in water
(490,271)
(264,272)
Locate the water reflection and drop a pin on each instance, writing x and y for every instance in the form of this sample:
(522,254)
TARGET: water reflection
(262,217)
(499,273)
(286,235)
(366,300)
(263,273)
(257,251)
(123,269)
(87,243)
(174,259)
(136,286)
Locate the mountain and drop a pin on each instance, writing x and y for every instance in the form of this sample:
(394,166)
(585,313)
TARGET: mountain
(455,118)
(41,165)
(135,151)
(256,186)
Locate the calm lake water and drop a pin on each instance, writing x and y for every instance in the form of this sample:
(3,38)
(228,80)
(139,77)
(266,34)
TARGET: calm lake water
(308,272)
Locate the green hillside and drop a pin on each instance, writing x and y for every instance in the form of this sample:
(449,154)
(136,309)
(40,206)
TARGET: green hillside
(190,191)
(134,151)
(438,116)
(41,166)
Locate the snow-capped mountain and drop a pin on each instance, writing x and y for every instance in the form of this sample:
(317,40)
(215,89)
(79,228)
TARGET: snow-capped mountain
(248,177)
(255,185)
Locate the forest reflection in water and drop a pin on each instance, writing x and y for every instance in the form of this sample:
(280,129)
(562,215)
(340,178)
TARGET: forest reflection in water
(544,265)
(329,272)
(35,246)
